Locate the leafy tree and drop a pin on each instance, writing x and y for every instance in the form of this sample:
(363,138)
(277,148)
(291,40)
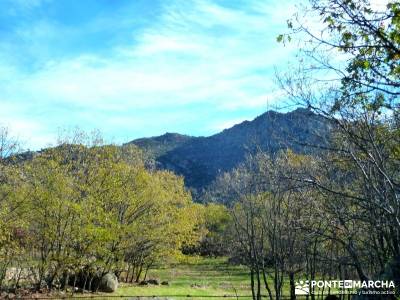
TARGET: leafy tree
(77,211)
(359,174)
(12,206)
(214,233)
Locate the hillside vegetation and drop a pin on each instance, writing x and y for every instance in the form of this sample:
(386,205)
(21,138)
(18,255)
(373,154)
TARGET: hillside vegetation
(201,159)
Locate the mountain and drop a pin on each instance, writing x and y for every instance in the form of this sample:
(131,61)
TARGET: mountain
(160,145)
(201,159)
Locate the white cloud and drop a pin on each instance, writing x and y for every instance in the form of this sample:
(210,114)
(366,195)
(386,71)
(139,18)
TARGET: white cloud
(266,101)
(196,54)
(157,68)
(29,133)
(379,5)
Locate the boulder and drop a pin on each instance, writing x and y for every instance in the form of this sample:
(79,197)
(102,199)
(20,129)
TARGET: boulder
(197,286)
(108,283)
(165,283)
(153,281)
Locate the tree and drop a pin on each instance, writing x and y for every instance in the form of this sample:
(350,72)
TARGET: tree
(217,222)
(359,96)
(12,204)
(54,218)
(368,40)
(72,213)
(8,144)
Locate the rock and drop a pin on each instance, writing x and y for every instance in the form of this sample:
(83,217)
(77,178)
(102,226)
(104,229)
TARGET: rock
(153,281)
(197,286)
(108,283)
(150,281)
(165,283)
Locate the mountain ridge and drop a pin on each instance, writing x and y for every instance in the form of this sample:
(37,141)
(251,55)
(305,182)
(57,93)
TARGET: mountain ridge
(201,159)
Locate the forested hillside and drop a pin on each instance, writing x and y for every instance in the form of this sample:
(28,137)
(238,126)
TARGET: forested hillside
(201,159)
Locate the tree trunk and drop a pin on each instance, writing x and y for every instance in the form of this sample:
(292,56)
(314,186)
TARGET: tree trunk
(292,286)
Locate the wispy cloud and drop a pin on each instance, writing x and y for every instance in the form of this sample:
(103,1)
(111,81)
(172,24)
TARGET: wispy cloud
(193,57)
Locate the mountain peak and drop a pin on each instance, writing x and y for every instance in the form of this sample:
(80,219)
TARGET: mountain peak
(201,159)
(159,145)
(173,135)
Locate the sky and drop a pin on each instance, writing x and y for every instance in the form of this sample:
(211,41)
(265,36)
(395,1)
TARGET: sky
(137,68)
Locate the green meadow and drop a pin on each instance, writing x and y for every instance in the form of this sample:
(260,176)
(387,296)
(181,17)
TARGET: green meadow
(200,278)
(195,277)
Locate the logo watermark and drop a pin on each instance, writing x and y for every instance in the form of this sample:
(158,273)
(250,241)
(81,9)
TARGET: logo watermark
(302,288)
(376,287)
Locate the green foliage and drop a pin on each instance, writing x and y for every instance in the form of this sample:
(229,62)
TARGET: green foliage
(367,38)
(12,211)
(357,177)
(83,211)
(214,231)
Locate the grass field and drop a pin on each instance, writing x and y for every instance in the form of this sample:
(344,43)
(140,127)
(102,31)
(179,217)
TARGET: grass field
(196,277)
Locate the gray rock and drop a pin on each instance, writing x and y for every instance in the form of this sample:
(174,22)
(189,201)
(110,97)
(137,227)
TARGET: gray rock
(153,281)
(108,283)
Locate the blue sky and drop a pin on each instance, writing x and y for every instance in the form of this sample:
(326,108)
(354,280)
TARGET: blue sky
(135,68)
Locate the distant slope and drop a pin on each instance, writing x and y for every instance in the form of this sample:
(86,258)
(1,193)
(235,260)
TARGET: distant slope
(201,159)
(160,145)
